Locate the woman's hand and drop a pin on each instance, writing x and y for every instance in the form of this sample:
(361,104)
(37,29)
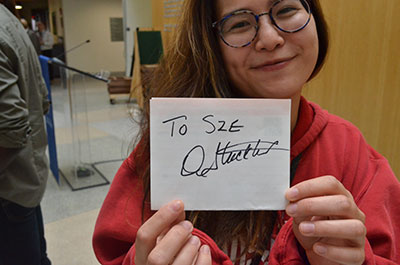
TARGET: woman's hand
(166,238)
(327,222)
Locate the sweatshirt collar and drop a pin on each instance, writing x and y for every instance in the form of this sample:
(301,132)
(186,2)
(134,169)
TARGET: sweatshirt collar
(311,122)
(304,121)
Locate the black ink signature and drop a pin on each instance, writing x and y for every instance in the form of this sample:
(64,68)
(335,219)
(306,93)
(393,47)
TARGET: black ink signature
(225,155)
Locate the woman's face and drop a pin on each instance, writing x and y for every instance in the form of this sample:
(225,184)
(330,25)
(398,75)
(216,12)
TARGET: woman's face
(275,64)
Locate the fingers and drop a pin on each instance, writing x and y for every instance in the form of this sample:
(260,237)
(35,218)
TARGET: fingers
(204,256)
(334,205)
(171,244)
(352,230)
(341,255)
(323,196)
(161,221)
(188,254)
(322,186)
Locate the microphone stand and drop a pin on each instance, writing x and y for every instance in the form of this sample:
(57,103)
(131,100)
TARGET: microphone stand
(73,48)
(56,61)
(59,63)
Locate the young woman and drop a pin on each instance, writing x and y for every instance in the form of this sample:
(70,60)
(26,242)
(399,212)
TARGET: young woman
(343,195)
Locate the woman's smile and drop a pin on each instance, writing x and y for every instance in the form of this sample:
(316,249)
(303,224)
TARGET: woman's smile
(276,64)
(273,65)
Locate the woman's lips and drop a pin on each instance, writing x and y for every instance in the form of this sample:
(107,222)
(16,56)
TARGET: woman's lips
(274,65)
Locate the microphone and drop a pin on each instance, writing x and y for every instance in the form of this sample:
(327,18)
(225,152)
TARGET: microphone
(73,48)
(58,62)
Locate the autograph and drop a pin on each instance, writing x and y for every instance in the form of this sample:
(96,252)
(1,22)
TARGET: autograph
(224,155)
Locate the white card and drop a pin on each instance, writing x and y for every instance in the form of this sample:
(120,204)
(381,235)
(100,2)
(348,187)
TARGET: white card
(220,154)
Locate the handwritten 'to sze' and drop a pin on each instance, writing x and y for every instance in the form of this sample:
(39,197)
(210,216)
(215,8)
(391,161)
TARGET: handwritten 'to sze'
(218,126)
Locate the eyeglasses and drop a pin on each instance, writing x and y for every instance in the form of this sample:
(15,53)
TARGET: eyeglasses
(240,28)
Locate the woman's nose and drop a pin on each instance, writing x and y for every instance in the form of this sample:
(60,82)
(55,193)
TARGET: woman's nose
(268,36)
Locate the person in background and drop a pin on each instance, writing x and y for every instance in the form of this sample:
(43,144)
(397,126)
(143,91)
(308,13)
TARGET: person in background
(32,35)
(23,162)
(46,43)
(343,204)
(46,39)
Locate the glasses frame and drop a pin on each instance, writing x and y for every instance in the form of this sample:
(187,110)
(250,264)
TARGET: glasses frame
(217,24)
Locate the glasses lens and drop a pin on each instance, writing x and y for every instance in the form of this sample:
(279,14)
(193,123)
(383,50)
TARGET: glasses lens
(239,29)
(291,15)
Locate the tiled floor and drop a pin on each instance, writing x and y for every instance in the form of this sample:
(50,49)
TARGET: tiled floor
(70,216)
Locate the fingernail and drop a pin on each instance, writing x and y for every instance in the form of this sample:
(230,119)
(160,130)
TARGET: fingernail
(205,249)
(292,193)
(319,249)
(175,206)
(194,240)
(307,228)
(187,225)
(291,209)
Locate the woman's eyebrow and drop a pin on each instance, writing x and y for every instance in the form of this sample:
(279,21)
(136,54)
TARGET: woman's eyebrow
(268,6)
(230,12)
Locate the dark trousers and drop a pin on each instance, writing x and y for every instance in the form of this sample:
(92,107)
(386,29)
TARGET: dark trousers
(49,53)
(22,239)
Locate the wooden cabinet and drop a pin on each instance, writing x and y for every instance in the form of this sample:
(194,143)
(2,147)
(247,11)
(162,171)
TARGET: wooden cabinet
(361,79)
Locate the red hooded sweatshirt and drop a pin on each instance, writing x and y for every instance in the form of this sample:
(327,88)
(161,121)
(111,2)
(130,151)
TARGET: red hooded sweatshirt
(328,145)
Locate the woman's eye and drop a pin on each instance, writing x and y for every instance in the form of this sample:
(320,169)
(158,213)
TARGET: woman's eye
(287,11)
(240,25)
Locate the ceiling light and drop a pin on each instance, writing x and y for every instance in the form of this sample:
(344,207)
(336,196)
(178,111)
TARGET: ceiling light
(18,7)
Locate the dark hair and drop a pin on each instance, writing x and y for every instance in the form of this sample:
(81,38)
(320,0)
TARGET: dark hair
(323,35)
(193,67)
